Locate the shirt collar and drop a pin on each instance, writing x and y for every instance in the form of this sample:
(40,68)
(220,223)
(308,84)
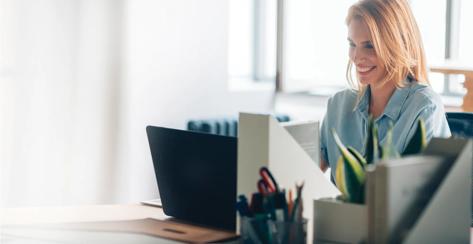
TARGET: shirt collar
(396,102)
(364,102)
(394,106)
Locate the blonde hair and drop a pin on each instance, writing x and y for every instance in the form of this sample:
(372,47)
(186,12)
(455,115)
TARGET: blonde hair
(396,40)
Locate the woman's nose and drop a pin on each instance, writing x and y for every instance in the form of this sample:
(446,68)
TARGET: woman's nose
(358,54)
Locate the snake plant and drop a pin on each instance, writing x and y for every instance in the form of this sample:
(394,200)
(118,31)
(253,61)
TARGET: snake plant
(351,165)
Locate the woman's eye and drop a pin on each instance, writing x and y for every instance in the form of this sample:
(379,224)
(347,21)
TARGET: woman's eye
(369,46)
(352,44)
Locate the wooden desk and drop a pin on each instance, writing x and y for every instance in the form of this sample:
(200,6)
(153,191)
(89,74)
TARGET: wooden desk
(450,68)
(54,215)
(132,223)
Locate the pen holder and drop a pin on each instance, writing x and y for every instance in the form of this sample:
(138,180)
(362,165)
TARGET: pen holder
(262,230)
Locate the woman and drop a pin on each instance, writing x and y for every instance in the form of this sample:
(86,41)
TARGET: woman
(387,53)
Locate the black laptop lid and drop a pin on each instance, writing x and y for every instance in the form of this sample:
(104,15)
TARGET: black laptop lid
(196,175)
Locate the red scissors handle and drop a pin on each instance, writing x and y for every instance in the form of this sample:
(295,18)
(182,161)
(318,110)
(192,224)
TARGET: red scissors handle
(262,187)
(269,179)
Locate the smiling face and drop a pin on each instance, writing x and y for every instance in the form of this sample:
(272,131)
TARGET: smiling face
(368,66)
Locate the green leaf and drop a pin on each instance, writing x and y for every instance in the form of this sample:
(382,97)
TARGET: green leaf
(418,142)
(353,186)
(372,153)
(357,155)
(353,171)
(340,177)
(388,151)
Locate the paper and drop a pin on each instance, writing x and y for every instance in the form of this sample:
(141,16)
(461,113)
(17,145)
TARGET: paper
(306,134)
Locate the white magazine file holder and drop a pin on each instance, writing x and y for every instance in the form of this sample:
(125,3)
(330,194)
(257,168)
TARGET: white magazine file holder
(447,216)
(262,141)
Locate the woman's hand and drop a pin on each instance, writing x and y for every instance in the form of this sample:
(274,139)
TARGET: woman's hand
(323,165)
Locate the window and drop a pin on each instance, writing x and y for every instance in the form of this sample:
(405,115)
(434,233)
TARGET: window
(314,46)
(446,28)
(466,32)
(240,38)
(430,17)
(252,40)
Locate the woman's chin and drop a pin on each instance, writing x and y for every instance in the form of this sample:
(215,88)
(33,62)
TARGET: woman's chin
(366,82)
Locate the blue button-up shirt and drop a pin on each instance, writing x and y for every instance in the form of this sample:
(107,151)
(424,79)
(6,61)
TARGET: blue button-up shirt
(405,107)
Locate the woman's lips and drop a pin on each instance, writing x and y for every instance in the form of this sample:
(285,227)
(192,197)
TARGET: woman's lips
(364,70)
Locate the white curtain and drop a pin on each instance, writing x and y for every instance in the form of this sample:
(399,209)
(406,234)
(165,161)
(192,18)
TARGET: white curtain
(60,81)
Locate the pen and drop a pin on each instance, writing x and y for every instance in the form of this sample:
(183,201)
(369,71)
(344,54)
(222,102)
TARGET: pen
(242,206)
(290,203)
(294,209)
(300,207)
(269,206)
(296,213)
(281,205)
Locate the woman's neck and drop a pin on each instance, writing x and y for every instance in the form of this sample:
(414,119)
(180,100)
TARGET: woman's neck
(380,95)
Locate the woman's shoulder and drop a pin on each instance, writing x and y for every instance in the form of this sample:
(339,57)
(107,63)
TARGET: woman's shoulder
(423,102)
(423,96)
(344,97)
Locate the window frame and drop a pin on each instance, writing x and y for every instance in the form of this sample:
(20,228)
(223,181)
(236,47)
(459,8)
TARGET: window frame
(279,80)
(452,40)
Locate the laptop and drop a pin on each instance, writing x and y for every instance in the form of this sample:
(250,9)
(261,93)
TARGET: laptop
(196,175)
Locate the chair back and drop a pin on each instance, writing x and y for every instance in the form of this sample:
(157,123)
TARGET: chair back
(461,124)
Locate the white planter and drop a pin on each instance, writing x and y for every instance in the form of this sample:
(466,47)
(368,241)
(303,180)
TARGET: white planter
(339,222)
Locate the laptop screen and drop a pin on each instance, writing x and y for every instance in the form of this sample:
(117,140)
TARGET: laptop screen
(196,175)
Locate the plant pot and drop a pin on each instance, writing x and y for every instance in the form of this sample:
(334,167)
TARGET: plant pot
(336,221)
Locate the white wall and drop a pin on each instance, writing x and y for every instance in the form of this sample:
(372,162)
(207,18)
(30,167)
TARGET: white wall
(57,124)
(175,69)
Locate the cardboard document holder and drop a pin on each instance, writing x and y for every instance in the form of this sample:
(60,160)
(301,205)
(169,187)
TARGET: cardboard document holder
(447,217)
(424,198)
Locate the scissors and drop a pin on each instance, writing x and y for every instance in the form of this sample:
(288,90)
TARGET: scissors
(268,180)
(263,187)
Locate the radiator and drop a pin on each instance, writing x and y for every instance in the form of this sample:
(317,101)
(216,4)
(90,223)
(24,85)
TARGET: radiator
(222,126)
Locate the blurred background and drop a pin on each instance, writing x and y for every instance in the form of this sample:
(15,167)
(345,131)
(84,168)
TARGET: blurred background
(81,79)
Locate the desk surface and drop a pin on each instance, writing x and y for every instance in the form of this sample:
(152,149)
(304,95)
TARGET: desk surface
(74,214)
(51,215)
(132,223)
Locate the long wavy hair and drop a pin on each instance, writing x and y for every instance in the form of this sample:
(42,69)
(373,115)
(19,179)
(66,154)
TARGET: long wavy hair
(396,40)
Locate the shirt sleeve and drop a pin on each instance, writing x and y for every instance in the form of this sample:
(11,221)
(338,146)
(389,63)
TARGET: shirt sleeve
(323,136)
(323,141)
(435,123)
